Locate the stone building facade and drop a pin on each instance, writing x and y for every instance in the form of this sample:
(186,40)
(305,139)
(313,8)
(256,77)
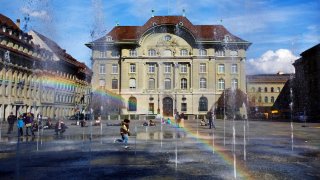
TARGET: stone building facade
(168,65)
(37,79)
(263,91)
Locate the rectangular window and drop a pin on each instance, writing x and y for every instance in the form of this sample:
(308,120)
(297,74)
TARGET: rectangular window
(102,82)
(132,83)
(102,69)
(203,68)
(102,54)
(132,68)
(220,53)
(167,68)
(183,106)
(151,83)
(133,53)
(167,84)
(234,68)
(221,68)
(183,52)
(114,68)
(151,68)
(202,52)
(151,108)
(183,68)
(114,84)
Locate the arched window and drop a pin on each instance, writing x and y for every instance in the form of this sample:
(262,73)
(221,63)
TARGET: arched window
(272,99)
(234,83)
(266,99)
(220,53)
(265,89)
(152,52)
(253,89)
(184,83)
(203,104)
(221,84)
(132,104)
(151,83)
(278,89)
(203,83)
(259,89)
(259,99)
(272,89)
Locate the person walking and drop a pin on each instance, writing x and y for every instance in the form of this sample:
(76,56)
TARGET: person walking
(11,120)
(124,132)
(210,119)
(177,119)
(20,125)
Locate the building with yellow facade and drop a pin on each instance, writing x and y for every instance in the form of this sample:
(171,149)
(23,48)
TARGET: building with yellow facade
(38,76)
(263,90)
(168,64)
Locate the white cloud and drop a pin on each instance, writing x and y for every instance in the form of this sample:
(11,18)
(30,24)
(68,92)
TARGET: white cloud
(40,14)
(272,62)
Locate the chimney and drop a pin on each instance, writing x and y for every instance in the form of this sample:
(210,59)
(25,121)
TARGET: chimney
(18,23)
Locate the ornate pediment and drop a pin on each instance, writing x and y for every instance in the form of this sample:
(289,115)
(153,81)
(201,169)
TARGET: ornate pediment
(167,41)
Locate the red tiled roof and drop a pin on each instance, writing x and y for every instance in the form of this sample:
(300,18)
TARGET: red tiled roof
(8,22)
(199,32)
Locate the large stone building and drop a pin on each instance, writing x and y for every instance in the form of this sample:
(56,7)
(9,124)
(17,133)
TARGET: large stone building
(168,64)
(38,78)
(307,84)
(263,90)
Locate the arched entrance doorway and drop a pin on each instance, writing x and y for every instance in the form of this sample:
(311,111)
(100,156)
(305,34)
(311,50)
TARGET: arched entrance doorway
(167,106)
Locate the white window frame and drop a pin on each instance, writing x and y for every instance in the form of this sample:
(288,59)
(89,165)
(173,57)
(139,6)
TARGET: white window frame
(102,69)
(152,68)
(202,68)
(133,53)
(234,68)
(167,68)
(132,68)
(203,83)
(202,52)
(103,54)
(220,53)
(234,83)
(183,68)
(221,84)
(132,83)
(102,82)
(152,52)
(115,69)
(184,84)
(167,84)
(221,68)
(151,83)
(112,81)
(183,52)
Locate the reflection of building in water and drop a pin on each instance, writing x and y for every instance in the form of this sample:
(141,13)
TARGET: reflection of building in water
(168,64)
(36,75)
(263,90)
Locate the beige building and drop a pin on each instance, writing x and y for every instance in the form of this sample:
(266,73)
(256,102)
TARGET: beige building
(168,65)
(264,89)
(37,76)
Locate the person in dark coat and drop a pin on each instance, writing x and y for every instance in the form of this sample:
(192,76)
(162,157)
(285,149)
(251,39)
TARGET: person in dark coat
(11,120)
(28,120)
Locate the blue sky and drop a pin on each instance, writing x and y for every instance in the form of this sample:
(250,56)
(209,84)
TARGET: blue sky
(279,30)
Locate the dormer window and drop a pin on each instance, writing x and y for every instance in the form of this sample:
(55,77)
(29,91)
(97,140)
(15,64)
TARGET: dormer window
(167,38)
(202,52)
(183,52)
(152,52)
(108,38)
(115,53)
(133,52)
(226,38)
(10,32)
(4,29)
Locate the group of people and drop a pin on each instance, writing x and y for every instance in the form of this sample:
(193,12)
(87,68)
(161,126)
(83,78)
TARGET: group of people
(26,120)
(179,118)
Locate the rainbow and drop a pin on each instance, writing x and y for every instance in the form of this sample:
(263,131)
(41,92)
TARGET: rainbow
(116,99)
